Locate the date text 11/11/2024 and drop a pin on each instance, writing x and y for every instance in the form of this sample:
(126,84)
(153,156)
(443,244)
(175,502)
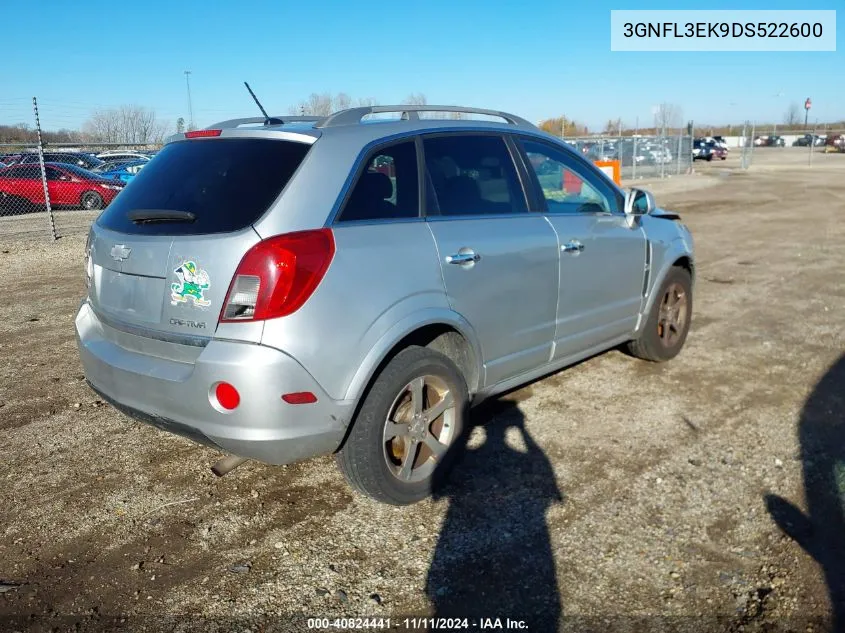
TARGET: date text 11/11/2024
(422,624)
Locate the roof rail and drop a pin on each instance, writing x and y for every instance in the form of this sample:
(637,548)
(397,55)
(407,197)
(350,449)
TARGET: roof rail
(353,116)
(275,120)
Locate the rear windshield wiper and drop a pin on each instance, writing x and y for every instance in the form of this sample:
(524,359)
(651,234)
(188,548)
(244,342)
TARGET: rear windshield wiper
(140,216)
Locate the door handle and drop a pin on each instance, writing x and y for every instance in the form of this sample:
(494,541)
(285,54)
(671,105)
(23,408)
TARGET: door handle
(572,247)
(469,257)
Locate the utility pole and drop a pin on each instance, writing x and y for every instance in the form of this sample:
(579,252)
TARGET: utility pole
(190,105)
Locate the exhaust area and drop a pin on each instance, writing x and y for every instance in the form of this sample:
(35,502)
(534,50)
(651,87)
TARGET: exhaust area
(227,464)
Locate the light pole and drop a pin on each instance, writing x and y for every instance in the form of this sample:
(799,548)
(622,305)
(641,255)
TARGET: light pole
(731,105)
(190,105)
(775,129)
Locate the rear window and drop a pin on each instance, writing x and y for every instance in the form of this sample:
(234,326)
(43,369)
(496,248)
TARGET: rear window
(227,184)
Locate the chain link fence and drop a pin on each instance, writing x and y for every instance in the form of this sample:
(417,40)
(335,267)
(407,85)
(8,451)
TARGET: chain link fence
(56,189)
(59,190)
(814,135)
(639,156)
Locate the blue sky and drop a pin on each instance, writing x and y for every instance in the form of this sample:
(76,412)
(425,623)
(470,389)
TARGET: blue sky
(536,59)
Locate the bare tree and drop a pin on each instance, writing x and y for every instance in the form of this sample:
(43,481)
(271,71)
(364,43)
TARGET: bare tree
(792,118)
(180,125)
(342,101)
(667,116)
(415,98)
(613,126)
(319,104)
(366,101)
(126,124)
(322,104)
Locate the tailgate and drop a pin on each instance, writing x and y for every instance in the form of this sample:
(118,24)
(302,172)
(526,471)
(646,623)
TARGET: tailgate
(163,254)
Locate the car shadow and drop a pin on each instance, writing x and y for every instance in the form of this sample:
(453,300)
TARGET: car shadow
(821,531)
(493,557)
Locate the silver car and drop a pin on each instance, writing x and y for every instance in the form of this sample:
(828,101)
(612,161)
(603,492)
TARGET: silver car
(280,289)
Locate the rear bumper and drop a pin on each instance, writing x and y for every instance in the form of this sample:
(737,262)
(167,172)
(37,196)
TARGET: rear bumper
(176,396)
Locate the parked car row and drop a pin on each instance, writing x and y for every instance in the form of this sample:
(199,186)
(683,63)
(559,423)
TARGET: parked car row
(816,140)
(81,159)
(831,142)
(835,143)
(74,179)
(68,185)
(628,150)
(769,141)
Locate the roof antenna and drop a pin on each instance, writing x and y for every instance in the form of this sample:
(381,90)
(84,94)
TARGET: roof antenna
(267,119)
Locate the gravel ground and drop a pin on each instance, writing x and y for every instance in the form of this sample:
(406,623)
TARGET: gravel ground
(703,494)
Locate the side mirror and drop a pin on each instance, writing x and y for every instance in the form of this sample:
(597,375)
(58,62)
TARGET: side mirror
(639,202)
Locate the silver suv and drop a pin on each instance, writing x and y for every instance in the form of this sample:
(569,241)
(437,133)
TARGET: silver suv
(279,289)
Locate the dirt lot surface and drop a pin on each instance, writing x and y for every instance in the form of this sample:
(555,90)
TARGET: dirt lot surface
(703,494)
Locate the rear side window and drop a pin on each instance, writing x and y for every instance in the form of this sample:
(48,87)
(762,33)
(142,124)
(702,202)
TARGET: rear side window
(227,184)
(388,188)
(52,173)
(473,175)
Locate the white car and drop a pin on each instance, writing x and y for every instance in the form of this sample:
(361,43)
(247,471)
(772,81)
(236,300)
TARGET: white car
(659,154)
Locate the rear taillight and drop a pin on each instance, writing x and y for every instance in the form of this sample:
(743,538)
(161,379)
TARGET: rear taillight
(278,275)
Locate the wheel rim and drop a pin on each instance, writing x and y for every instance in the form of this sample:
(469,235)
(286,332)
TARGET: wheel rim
(673,315)
(419,428)
(88,201)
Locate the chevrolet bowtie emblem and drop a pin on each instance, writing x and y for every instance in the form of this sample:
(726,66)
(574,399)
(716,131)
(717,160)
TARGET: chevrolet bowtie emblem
(119,252)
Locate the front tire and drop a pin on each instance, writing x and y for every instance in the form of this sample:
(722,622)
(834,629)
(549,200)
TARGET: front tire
(665,331)
(412,416)
(91,201)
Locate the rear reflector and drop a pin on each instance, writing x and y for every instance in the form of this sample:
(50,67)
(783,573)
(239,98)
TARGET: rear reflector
(227,396)
(278,275)
(300,397)
(202,133)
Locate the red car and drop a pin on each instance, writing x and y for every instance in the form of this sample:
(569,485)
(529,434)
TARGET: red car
(68,186)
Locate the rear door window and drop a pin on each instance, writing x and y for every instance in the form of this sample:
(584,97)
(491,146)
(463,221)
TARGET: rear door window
(227,184)
(472,175)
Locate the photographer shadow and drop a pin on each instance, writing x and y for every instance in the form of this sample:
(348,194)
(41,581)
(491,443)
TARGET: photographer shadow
(821,531)
(494,556)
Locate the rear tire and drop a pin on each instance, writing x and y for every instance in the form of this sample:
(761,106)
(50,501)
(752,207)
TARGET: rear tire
(404,435)
(91,201)
(665,331)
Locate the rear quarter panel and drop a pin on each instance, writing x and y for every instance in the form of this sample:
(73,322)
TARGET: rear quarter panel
(381,275)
